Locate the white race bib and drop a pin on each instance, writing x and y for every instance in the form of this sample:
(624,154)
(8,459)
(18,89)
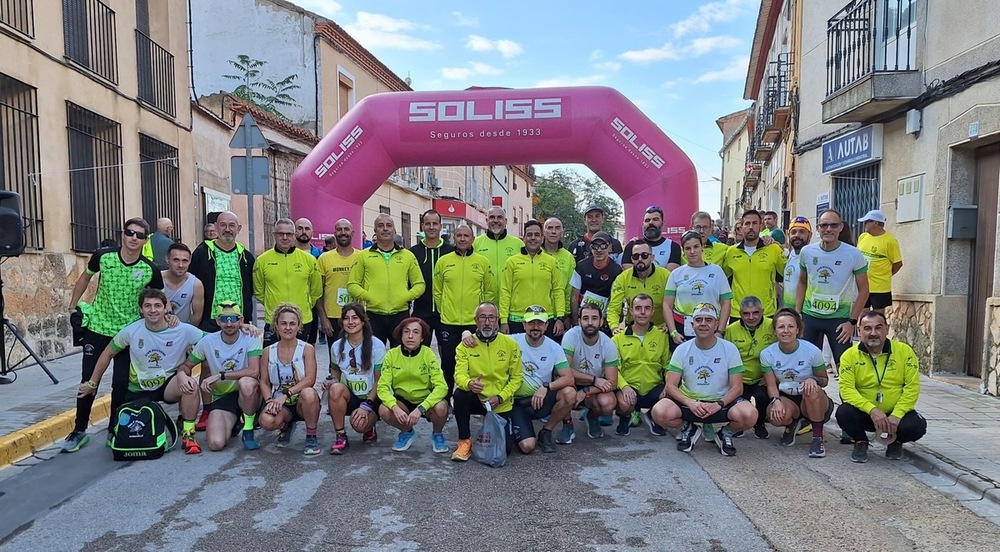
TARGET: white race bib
(591,297)
(343,297)
(152,380)
(825,304)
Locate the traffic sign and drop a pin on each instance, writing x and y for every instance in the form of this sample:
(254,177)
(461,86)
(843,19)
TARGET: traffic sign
(258,182)
(248,135)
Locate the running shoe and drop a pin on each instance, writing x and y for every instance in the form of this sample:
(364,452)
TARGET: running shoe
(190,444)
(370,436)
(607,421)
(624,422)
(817,449)
(285,436)
(594,429)
(583,414)
(545,441)
(684,429)
(76,440)
(739,434)
(250,440)
(760,431)
(654,428)
(894,451)
(566,434)
(202,423)
(788,436)
(463,452)
(724,438)
(312,446)
(340,445)
(709,433)
(689,438)
(439,446)
(404,441)
(805,426)
(636,420)
(860,453)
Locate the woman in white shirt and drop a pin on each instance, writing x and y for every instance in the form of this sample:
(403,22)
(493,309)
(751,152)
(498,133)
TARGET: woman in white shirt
(355,365)
(691,284)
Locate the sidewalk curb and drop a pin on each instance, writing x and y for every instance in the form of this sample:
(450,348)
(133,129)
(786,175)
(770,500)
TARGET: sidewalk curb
(937,464)
(23,443)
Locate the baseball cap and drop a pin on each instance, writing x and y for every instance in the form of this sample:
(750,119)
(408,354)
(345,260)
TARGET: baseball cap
(594,207)
(535,312)
(601,236)
(229,306)
(800,222)
(705,309)
(875,215)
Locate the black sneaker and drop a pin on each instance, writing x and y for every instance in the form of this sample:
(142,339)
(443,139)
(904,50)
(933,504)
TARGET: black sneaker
(788,437)
(760,432)
(894,451)
(545,441)
(724,438)
(624,424)
(860,453)
(817,449)
(689,438)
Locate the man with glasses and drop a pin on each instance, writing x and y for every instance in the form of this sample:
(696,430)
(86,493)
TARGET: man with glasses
(832,288)
(755,268)
(713,251)
(799,235)
(287,274)
(593,278)
(593,219)
(666,253)
(496,244)
(771,229)
(642,276)
(531,277)
(225,268)
(751,334)
(125,273)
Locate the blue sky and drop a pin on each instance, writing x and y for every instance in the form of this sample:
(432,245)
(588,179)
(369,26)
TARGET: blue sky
(683,62)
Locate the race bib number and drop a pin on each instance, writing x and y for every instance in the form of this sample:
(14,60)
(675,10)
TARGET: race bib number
(825,304)
(358,386)
(152,380)
(343,297)
(594,299)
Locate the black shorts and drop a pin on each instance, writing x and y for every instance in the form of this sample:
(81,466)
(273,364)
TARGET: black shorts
(879,300)
(817,328)
(522,415)
(650,399)
(410,407)
(797,399)
(155,395)
(720,417)
(229,402)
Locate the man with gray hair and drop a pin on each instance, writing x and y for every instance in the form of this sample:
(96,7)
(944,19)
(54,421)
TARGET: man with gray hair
(225,268)
(496,244)
(287,274)
(751,334)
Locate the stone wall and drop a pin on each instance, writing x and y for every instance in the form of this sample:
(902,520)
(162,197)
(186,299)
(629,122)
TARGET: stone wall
(991,364)
(37,290)
(911,320)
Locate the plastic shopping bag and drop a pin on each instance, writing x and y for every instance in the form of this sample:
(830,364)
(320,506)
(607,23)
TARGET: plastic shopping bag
(490,445)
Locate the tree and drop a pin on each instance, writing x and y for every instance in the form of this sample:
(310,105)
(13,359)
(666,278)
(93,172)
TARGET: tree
(565,194)
(265,93)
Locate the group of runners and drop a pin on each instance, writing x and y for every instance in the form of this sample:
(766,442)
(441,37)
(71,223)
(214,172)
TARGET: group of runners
(697,336)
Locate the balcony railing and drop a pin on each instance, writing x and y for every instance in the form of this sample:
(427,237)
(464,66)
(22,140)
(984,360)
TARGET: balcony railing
(89,36)
(155,68)
(18,14)
(869,36)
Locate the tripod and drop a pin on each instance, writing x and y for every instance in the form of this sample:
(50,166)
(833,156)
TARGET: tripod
(7,374)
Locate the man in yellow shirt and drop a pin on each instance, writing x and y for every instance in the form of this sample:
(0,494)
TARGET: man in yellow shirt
(531,277)
(335,269)
(880,385)
(755,268)
(643,276)
(287,274)
(884,260)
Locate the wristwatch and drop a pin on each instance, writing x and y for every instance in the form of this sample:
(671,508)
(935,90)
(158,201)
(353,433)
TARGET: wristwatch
(853,321)
(222,376)
(720,403)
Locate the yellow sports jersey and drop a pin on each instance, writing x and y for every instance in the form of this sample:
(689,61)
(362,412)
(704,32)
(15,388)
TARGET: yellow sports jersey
(642,363)
(890,383)
(336,270)
(750,343)
(882,252)
(292,277)
(756,273)
(713,253)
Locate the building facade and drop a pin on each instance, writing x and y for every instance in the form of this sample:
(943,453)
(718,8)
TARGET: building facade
(736,134)
(95,128)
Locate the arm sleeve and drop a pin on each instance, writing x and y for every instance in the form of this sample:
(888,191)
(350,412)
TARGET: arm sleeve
(610,354)
(489,288)
(892,252)
(860,263)
(670,288)
(675,252)
(197,355)
(437,286)
(94,264)
(911,386)
(617,298)
(516,375)
(121,340)
(417,285)
(356,278)
(258,281)
(315,284)
(559,302)
(439,389)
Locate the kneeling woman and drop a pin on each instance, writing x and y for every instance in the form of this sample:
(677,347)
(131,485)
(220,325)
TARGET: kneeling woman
(289,380)
(795,374)
(355,365)
(412,386)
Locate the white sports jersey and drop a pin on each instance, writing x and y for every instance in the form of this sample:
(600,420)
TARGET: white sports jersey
(831,287)
(539,363)
(154,355)
(225,357)
(797,366)
(705,372)
(590,359)
(360,382)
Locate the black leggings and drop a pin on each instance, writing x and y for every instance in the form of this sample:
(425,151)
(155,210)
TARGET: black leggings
(466,404)
(855,423)
(816,328)
(93,345)
(448,339)
(384,324)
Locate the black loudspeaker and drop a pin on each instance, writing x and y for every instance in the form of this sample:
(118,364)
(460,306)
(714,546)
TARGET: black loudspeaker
(11,224)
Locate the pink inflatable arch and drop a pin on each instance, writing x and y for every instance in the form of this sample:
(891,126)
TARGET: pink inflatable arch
(595,126)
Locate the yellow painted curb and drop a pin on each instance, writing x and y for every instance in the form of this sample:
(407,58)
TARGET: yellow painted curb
(23,443)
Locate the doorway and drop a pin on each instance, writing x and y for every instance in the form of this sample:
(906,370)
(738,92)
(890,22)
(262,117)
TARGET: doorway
(983,254)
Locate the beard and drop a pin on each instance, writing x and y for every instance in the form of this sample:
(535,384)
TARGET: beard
(651,233)
(487,332)
(590,331)
(343,241)
(302,238)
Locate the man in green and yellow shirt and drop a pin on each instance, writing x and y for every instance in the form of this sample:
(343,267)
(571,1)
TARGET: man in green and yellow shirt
(643,355)
(531,277)
(751,334)
(496,244)
(755,269)
(287,274)
(644,276)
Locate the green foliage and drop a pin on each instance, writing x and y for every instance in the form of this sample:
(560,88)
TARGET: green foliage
(565,194)
(265,93)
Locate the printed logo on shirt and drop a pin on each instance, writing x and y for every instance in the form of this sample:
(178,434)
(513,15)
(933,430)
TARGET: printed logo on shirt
(704,372)
(142,343)
(824,274)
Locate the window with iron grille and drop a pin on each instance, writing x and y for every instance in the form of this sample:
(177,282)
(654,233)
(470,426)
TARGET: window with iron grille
(18,15)
(89,36)
(19,154)
(95,177)
(161,186)
(155,71)
(855,193)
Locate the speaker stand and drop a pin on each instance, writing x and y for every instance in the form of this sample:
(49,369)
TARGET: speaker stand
(7,373)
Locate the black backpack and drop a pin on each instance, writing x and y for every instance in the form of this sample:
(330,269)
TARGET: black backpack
(144,431)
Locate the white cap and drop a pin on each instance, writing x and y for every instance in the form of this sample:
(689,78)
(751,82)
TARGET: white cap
(875,215)
(705,309)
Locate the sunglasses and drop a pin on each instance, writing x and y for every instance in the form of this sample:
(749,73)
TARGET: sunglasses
(800,219)
(600,246)
(642,256)
(534,309)
(653,209)
(828,225)
(134,233)
(354,360)
(229,318)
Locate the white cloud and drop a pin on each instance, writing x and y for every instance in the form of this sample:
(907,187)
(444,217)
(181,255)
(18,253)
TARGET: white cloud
(610,66)
(465,20)
(596,55)
(465,73)
(572,81)
(507,48)
(714,12)
(671,52)
(326,8)
(376,30)
(736,70)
